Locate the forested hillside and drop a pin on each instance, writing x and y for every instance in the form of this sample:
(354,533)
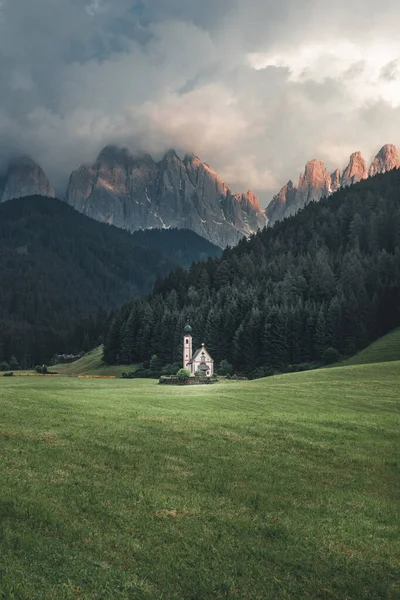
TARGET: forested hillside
(58,266)
(322,283)
(181,245)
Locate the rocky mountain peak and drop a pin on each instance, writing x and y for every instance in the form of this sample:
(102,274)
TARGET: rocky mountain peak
(355,171)
(171,156)
(25,177)
(335,180)
(388,158)
(315,182)
(283,203)
(112,156)
(203,176)
(190,159)
(249,200)
(314,169)
(137,193)
(252,198)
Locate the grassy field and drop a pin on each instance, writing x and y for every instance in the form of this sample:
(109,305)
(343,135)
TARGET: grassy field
(91,364)
(386,349)
(282,488)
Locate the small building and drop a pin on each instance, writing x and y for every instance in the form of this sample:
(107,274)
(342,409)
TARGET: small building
(200,361)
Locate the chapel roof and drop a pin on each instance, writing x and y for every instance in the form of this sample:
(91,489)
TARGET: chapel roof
(199,351)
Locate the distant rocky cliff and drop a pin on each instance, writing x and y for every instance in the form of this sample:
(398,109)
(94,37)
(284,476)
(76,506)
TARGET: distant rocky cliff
(388,158)
(139,193)
(135,192)
(24,178)
(316,182)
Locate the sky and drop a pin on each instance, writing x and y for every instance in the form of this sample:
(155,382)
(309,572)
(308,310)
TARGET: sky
(254,87)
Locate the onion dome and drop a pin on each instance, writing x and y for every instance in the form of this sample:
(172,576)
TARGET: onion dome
(187,329)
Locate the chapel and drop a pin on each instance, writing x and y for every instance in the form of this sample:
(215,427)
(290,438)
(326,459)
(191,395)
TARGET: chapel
(200,361)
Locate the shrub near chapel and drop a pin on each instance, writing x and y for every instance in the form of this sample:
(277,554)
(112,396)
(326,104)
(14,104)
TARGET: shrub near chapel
(183,375)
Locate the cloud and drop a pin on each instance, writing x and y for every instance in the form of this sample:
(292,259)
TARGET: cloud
(254,88)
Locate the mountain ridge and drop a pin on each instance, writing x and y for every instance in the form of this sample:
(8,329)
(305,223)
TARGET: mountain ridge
(135,192)
(316,182)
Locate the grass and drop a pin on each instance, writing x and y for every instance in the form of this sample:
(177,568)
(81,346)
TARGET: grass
(282,488)
(92,364)
(386,349)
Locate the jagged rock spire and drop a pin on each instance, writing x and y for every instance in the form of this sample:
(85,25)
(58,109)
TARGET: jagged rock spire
(355,171)
(388,158)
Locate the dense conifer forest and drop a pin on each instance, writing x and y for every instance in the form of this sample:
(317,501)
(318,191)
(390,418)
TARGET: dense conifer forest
(62,272)
(183,246)
(314,287)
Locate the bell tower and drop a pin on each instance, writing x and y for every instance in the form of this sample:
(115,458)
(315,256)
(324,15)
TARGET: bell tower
(187,346)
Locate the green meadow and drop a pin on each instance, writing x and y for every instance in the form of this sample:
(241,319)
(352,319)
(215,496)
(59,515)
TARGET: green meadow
(92,364)
(280,488)
(385,349)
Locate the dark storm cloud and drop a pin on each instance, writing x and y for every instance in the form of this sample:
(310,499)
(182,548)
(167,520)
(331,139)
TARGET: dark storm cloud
(77,74)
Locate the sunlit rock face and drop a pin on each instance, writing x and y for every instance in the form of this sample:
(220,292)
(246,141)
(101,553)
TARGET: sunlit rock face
(283,204)
(138,193)
(355,171)
(253,215)
(388,158)
(117,189)
(316,183)
(24,178)
(313,184)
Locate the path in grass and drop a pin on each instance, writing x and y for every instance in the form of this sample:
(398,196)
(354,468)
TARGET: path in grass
(279,488)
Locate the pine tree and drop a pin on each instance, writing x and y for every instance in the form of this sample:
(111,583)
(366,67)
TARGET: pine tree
(320,338)
(14,364)
(111,351)
(251,340)
(129,348)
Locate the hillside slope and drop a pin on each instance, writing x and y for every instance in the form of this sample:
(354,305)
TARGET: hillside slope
(91,364)
(183,246)
(328,277)
(386,349)
(57,266)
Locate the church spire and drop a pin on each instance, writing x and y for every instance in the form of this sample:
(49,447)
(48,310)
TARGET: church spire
(187,347)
